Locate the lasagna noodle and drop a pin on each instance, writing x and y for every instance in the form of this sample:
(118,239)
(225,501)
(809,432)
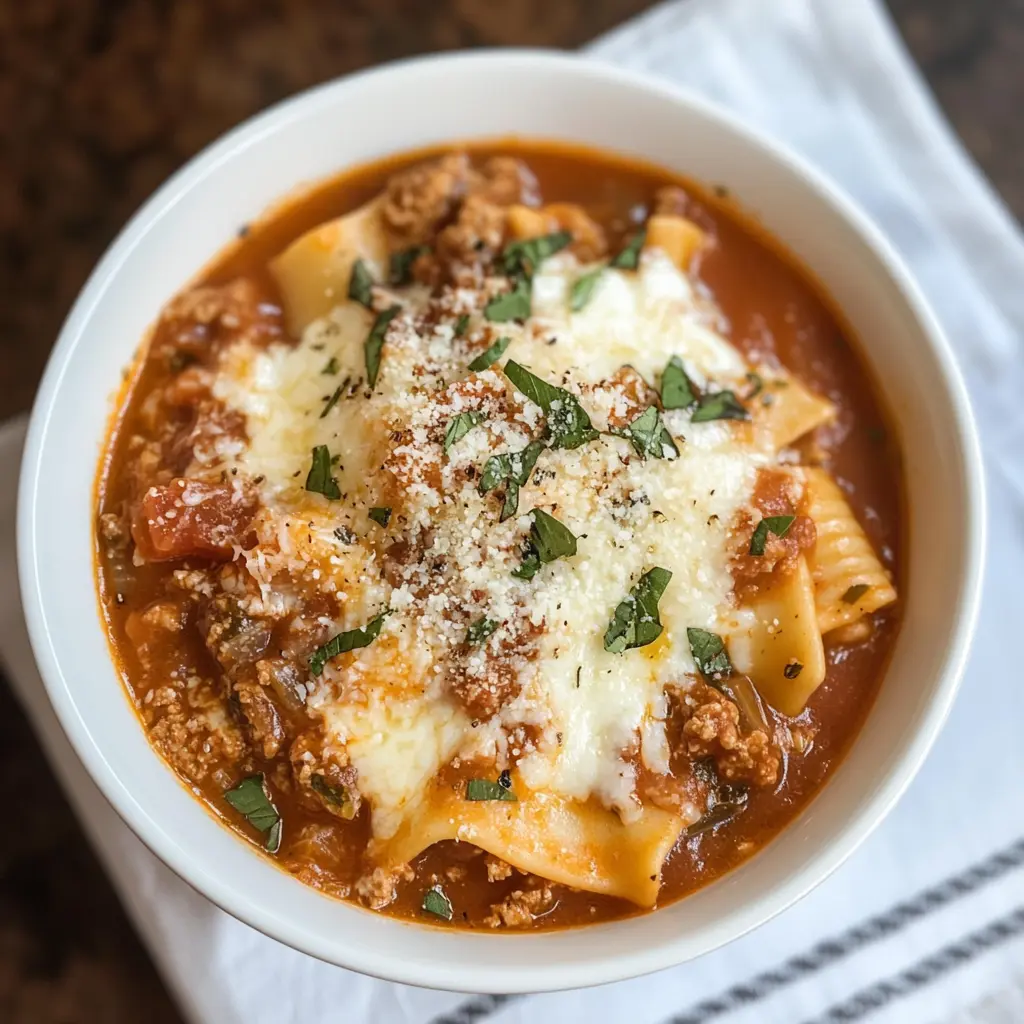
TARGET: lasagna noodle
(313,272)
(577,844)
(843,558)
(680,239)
(780,633)
(788,410)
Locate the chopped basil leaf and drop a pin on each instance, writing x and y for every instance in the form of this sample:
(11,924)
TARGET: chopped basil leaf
(251,799)
(568,424)
(360,284)
(709,654)
(460,425)
(526,256)
(400,264)
(629,258)
(332,367)
(331,402)
(513,305)
(319,479)
(336,795)
(856,592)
(548,539)
(437,903)
(375,343)
(722,812)
(380,514)
(721,405)
(342,643)
(636,622)
(583,288)
(484,789)
(756,385)
(514,471)
(650,436)
(273,841)
(792,670)
(491,355)
(677,390)
(480,630)
(779,525)
(461,324)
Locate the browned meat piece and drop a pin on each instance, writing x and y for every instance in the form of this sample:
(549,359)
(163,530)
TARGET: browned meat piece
(203,319)
(505,180)
(712,730)
(262,716)
(319,856)
(520,908)
(421,199)
(234,638)
(322,781)
(194,743)
(473,241)
(154,631)
(379,888)
(497,869)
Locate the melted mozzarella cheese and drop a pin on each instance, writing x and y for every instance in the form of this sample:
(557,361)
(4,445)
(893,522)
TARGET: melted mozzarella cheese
(592,713)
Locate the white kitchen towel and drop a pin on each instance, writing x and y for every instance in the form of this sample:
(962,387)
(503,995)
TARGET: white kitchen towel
(926,922)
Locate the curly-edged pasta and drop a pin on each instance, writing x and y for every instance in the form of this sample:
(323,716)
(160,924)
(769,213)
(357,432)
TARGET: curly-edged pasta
(849,580)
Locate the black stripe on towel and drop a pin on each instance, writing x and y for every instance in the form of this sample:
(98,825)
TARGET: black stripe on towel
(817,958)
(926,971)
(874,929)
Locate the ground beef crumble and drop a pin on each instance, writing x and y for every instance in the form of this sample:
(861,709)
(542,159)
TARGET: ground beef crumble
(711,729)
(379,888)
(520,907)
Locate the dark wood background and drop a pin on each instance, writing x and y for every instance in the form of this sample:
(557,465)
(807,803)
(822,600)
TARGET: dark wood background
(100,100)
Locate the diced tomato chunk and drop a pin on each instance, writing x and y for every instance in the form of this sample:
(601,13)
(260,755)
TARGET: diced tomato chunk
(192,518)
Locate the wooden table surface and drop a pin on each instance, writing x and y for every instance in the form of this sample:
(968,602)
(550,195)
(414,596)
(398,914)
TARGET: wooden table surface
(101,100)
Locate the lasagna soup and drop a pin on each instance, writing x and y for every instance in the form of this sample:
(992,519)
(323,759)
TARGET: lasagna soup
(505,536)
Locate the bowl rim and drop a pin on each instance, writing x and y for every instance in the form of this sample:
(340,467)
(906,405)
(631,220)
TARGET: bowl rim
(551,976)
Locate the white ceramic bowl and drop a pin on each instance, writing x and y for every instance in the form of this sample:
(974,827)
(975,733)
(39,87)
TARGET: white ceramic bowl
(408,105)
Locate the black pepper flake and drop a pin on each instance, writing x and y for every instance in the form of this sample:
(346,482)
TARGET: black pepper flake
(243,231)
(505,779)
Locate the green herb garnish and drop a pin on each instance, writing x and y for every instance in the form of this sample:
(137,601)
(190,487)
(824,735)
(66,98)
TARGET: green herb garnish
(360,284)
(636,622)
(380,514)
(650,436)
(583,288)
(491,355)
(568,425)
(513,470)
(677,390)
(629,257)
(709,655)
(756,385)
(480,630)
(375,343)
(251,799)
(400,264)
(331,402)
(526,256)
(721,405)
(459,426)
(461,324)
(856,592)
(779,525)
(319,479)
(484,789)
(548,539)
(342,643)
(513,305)
(437,903)
(332,367)
(338,796)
